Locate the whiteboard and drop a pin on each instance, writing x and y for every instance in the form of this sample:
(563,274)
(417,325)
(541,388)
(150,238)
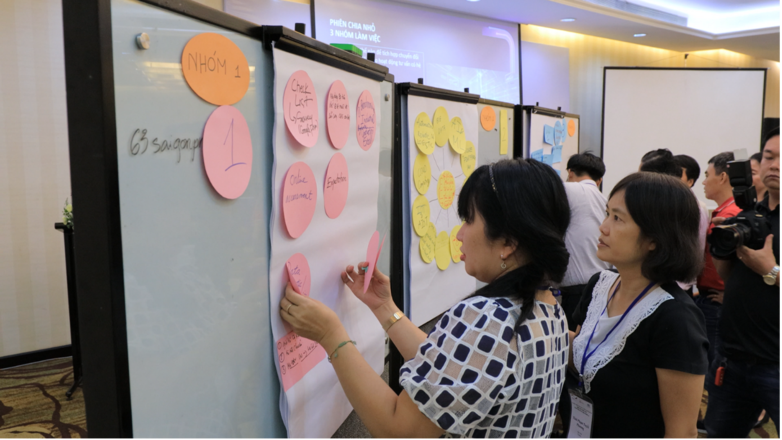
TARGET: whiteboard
(697,112)
(196,265)
(534,126)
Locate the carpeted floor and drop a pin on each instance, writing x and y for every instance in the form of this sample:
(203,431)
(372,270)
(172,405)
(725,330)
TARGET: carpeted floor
(33,405)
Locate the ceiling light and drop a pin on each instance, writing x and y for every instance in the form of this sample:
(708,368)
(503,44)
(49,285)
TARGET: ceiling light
(568,19)
(473,0)
(639,35)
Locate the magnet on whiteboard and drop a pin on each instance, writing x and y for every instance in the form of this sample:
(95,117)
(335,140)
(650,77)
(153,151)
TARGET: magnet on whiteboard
(142,40)
(387,96)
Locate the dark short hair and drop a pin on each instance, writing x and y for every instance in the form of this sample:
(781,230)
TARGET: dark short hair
(587,163)
(522,202)
(661,162)
(769,134)
(720,161)
(690,166)
(673,225)
(757,157)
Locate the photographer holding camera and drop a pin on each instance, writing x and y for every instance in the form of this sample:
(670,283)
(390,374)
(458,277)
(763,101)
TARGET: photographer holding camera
(744,377)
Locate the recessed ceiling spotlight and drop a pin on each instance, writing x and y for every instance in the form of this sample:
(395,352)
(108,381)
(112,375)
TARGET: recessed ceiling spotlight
(639,35)
(473,0)
(568,19)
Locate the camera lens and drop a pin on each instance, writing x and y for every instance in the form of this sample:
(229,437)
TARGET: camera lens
(725,239)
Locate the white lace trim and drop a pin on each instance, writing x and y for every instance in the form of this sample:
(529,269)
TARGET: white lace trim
(606,353)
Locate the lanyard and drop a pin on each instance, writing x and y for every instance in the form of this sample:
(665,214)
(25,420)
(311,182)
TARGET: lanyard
(717,211)
(588,354)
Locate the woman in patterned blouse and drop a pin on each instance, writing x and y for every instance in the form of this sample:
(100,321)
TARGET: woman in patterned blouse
(494,365)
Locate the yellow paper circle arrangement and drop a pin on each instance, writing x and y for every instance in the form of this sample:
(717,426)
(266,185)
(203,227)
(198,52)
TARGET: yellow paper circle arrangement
(442,247)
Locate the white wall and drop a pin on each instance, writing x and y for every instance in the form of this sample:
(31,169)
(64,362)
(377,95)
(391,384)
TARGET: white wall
(34,177)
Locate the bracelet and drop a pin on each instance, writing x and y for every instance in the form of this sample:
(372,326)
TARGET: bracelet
(341,344)
(393,320)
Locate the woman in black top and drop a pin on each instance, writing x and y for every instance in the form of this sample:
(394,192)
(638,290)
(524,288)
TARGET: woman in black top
(640,349)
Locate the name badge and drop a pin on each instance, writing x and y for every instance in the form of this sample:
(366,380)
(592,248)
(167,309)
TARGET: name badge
(580,416)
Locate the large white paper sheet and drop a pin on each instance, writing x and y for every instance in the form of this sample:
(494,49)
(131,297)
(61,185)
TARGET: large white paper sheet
(316,405)
(433,291)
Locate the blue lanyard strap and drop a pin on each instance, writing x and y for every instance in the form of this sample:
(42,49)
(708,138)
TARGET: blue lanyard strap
(588,354)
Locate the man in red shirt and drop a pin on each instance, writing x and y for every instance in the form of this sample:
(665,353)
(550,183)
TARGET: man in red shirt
(716,187)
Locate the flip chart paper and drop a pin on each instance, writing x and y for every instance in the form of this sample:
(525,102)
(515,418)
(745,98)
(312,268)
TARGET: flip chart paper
(488,118)
(548,134)
(423,132)
(442,250)
(468,158)
(431,290)
(456,135)
(427,244)
(338,114)
(442,126)
(301,108)
(422,173)
(371,259)
(420,214)
(365,121)
(299,198)
(297,356)
(571,127)
(335,186)
(456,245)
(228,151)
(316,405)
(556,154)
(503,132)
(298,270)
(446,188)
(215,68)
(537,155)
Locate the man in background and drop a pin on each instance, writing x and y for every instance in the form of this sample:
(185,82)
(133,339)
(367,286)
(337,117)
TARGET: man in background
(716,187)
(690,169)
(587,212)
(662,161)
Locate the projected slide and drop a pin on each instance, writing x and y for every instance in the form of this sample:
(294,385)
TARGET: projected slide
(449,51)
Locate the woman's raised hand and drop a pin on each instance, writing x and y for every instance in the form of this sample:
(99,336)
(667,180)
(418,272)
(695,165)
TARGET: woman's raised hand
(379,291)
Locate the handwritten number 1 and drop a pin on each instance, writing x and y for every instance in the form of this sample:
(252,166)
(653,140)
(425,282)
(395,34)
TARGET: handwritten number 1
(237,72)
(231,133)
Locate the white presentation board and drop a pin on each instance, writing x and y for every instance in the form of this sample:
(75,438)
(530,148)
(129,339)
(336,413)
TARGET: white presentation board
(697,112)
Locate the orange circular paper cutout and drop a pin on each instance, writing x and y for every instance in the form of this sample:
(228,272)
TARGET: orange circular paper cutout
(571,127)
(488,118)
(215,68)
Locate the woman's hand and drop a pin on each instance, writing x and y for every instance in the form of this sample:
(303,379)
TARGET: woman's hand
(379,291)
(311,319)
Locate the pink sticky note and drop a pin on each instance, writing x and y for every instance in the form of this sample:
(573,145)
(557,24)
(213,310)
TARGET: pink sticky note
(365,120)
(371,259)
(338,114)
(300,108)
(228,151)
(297,357)
(299,195)
(298,270)
(335,187)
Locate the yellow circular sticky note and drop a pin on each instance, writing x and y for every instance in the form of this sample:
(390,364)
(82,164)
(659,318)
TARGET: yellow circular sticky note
(442,126)
(422,173)
(427,244)
(420,215)
(456,136)
(442,250)
(424,133)
(446,188)
(456,245)
(468,159)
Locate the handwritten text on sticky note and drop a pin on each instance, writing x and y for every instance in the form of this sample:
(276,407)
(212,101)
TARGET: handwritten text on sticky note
(300,108)
(297,356)
(337,114)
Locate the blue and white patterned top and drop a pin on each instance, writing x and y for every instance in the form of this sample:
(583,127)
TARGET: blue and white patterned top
(475,377)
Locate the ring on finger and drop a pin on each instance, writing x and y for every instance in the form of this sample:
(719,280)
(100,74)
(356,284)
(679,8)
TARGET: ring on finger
(288,309)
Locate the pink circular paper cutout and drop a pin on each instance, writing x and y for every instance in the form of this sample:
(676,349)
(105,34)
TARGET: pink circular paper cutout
(335,187)
(338,114)
(298,270)
(228,151)
(365,120)
(299,196)
(300,108)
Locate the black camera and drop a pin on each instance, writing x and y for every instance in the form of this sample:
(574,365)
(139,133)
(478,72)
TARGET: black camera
(749,228)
